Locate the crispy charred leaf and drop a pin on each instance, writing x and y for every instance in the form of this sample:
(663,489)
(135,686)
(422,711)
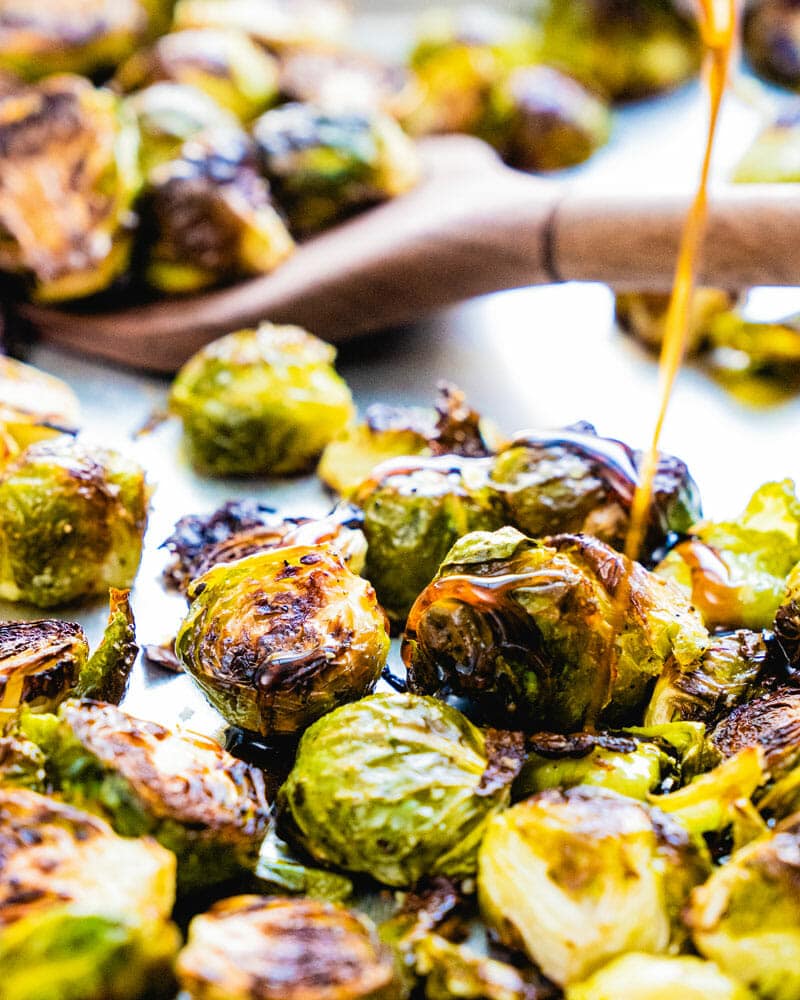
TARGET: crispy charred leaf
(207,807)
(771,39)
(163,656)
(83,912)
(276,24)
(68,177)
(394,786)
(105,677)
(637,976)
(281,637)
(263,401)
(460,430)
(40,662)
(643,315)
(279,872)
(564,631)
(324,164)
(33,405)
(578,877)
(286,949)
(72,519)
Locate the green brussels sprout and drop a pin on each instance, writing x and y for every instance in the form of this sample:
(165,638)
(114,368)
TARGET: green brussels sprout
(33,406)
(414,511)
(621,48)
(644,314)
(548,120)
(252,948)
(243,527)
(774,155)
(278,872)
(167,115)
(637,976)
(276,24)
(71,522)
(260,401)
(771,40)
(740,349)
(324,164)
(579,877)
(71,36)
(69,175)
(746,917)
(84,914)
(534,629)
(459,57)
(707,689)
(208,217)
(279,638)
(184,790)
(227,65)
(736,571)
(572,480)
(397,787)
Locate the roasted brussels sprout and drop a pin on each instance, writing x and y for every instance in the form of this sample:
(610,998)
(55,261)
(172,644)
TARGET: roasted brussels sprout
(746,917)
(771,722)
(581,876)
(638,976)
(275,24)
(325,164)
(740,349)
(260,401)
(572,480)
(644,314)
(787,624)
(771,38)
(243,527)
(207,807)
(208,217)
(535,628)
(68,177)
(83,913)
(397,787)
(22,765)
(75,36)
(71,522)
(774,156)
(414,510)
(33,405)
(736,571)
(279,638)
(252,948)
(621,48)
(227,65)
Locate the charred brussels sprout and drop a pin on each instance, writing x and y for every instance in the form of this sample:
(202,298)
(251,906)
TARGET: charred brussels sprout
(252,948)
(621,48)
(536,629)
(746,917)
(227,65)
(279,638)
(736,571)
(207,807)
(83,913)
(414,510)
(644,314)
(71,523)
(771,36)
(22,764)
(68,177)
(33,406)
(260,401)
(325,164)
(581,876)
(395,786)
(638,976)
(208,217)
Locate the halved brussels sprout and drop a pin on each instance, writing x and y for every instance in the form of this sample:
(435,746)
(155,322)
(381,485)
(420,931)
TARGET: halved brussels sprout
(537,629)
(72,520)
(579,877)
(549,121)
(621,48)
(227,65)
(774,156)
(736,571)
(740,349)
(572,480)
(33,405)
(746,917)
(68,177)
(397,787)
(275,24)
(279,638)
(208,217)
(206,806)
(83,913)
(771,722)
(325,164)
(637,976)
(771,37)
(253,948)
(260,401)
(643,314)
(243,527)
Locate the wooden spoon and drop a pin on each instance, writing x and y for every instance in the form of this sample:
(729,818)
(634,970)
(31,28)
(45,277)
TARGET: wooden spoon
(472,226)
